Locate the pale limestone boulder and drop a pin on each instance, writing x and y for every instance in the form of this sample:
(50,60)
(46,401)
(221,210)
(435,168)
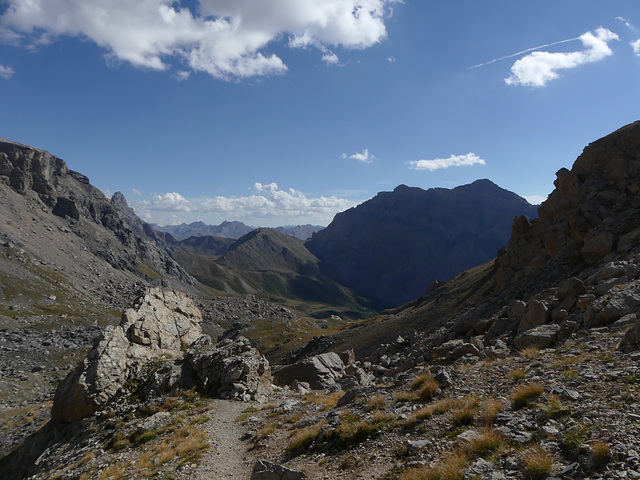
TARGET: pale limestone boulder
(161,325)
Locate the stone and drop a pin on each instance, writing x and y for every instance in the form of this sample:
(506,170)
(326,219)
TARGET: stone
(631,340)
(264,470)
(454,349)
(320,371)
(160,324)
(415,446)
(231,368)
(515,310)
(570,287)
(541,337)
(537,314)
(597,247)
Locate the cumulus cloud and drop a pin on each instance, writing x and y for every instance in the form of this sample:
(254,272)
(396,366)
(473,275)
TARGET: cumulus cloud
(267,201)
(538,68)
(136,192)
(6,72)
(535,199)
(364,157)
(220,37)
(453,161)
(636,46)
(331,59)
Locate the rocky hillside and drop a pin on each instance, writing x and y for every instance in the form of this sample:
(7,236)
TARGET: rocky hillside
(390,247)
(273,265)
(38,188)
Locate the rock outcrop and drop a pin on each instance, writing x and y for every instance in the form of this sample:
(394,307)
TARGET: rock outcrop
(591,213)
(158,344)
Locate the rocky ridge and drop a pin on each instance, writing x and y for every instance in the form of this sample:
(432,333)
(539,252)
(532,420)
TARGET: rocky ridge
(45,182)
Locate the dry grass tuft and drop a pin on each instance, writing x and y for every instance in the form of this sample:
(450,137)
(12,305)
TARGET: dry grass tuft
(420,380)
(489,441)
(404,396)
(451,467)
(428,390)
(521,395)
(537,464)
(517,374)
(377,402)
(490,411)
(600,453)
(302,440)
(325,400)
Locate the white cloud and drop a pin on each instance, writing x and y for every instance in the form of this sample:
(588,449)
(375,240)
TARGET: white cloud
(636,46)
(224,38)
(391,59)
(6,72)
(331,59)
(538,68)
(535,199)
(182,75)
(136,192)
(268,201)
(453,161)
(364,157)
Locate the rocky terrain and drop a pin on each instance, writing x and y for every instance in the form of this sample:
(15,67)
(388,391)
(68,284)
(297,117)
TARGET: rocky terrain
(391,246)
(525,367)
(272,265)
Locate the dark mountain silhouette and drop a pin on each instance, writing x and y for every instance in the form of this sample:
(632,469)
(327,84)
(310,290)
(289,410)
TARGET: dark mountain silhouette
(391,247)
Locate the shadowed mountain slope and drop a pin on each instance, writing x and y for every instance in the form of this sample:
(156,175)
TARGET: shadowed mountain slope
(391,247)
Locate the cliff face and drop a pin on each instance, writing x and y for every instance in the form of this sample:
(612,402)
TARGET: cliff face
(592,212)
(392,246)
(45,179)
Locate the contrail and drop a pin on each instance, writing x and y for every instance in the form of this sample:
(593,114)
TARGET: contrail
(524,51)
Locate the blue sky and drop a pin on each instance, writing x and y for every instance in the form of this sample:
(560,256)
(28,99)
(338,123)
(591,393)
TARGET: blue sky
(278,112)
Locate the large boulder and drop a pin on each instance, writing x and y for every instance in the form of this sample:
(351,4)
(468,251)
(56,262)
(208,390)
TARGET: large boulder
(159,342)
(160,325)
(232,368)
(320,371)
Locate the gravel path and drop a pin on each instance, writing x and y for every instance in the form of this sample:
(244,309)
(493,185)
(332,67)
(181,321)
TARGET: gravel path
(228,456)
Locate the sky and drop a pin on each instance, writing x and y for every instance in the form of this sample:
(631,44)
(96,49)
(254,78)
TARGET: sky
(285,112)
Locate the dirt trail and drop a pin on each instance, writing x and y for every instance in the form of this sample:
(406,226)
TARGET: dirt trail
(228,456)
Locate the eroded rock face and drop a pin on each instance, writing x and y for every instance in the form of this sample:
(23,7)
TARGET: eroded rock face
(159,342)
(588,215)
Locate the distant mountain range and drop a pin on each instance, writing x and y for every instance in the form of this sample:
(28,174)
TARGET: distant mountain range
(391,247)
(233,230)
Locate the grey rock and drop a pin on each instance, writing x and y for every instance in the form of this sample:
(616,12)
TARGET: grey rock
(264,470)
(542,337)
(631,340)
(320,371)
